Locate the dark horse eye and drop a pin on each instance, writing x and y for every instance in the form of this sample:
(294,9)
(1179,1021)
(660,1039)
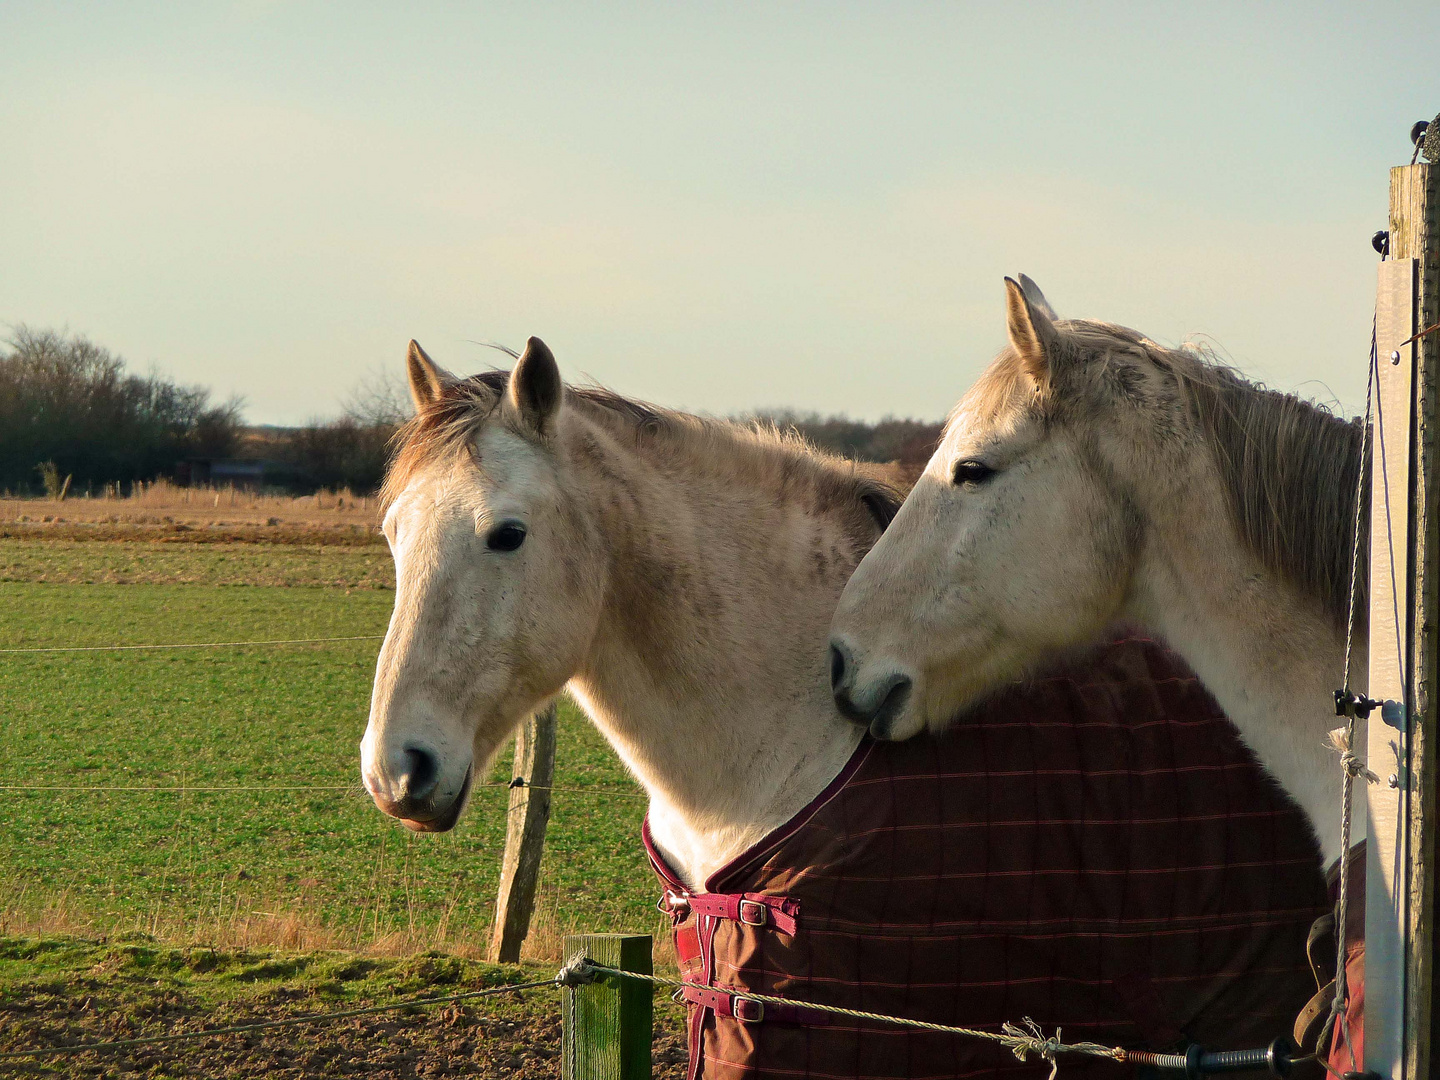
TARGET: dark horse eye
(971,472)
(506,536)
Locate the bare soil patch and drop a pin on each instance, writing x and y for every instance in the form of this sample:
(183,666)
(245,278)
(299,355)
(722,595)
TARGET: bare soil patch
(88,992)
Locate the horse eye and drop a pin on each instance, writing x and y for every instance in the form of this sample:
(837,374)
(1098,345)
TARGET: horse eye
(971,472)
(507,536)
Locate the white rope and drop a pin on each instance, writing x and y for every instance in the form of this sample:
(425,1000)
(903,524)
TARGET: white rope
(1021,1041)
(1344,742)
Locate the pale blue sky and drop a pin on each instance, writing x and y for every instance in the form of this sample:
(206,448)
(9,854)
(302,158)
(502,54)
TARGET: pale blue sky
(711,206)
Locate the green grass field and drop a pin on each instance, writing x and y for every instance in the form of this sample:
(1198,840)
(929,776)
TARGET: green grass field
(197,865)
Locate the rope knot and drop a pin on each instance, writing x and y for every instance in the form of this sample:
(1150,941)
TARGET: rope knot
(578,971)
(1030,1039)
(1350,764)
(1355,768)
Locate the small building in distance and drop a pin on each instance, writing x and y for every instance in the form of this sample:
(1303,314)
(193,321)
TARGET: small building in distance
(242,475)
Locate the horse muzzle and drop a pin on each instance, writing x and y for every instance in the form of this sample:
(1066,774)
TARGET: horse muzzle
(425,810)
(873,703)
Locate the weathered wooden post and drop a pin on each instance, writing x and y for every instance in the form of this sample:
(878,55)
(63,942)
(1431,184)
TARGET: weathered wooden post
(1404,634)
(607,1033)
(528,816)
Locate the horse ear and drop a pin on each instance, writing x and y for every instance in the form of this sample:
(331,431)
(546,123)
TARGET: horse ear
(535,388)
(1032,334)
(428,379)
(1037,298)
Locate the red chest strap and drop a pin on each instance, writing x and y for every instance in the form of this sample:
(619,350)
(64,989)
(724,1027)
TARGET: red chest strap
(752,909)
(725,1003)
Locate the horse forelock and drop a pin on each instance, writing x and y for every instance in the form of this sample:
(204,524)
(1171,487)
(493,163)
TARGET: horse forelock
(438,430)
(755,453)
(1004,391)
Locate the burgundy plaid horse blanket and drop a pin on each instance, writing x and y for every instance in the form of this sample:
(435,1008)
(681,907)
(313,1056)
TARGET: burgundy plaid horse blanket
(1094,849)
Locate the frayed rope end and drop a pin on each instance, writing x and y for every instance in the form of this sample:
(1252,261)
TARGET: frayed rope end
(1031,1040)
(1353,766)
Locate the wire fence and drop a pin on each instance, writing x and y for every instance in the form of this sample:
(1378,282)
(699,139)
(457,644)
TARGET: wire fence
(187,645)
(1022,1040)
(350,789)
(184,789)
(188,789)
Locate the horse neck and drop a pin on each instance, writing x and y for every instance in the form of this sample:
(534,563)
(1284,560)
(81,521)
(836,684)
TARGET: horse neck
(708,672)
(1271,655)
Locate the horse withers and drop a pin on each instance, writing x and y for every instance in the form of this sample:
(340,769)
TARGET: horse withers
(1060,856)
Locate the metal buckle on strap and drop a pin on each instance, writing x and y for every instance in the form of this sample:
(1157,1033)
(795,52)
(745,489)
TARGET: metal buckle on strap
(746,1010)
(760,914)
(672,904)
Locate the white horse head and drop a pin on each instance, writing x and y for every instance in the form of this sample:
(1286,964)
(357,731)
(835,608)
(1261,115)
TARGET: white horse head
(676,574)
(498,584)
(1091,476)
(1011,545)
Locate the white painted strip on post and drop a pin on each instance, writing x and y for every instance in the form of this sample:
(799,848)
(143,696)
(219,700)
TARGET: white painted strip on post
(1387,830)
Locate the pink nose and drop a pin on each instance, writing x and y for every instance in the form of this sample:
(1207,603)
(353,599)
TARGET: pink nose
(412,780)
(430,811)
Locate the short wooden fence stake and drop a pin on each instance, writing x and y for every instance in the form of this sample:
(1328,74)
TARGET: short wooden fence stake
(528,816)
(607,1023)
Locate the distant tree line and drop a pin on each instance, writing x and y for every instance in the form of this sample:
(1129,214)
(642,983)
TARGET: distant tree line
(910,442)
(69,408)
(349,452)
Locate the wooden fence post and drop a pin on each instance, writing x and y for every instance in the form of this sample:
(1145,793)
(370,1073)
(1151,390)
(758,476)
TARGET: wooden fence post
(607,1033)
(1404,635)
(1415,216)
(528,816)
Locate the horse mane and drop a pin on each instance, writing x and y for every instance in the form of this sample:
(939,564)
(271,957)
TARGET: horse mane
(1290,469)
(761,451)
(1288,466)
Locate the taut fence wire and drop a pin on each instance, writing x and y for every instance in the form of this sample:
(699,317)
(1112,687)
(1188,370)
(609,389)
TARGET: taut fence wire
(351,789)
(188,645)
(215,789)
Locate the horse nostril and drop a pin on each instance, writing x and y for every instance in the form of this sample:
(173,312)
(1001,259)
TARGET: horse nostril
(895,698)
(837,668)
(421,774)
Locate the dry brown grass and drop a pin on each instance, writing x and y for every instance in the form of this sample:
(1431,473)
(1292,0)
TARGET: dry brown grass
(293,925)
(161,503)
